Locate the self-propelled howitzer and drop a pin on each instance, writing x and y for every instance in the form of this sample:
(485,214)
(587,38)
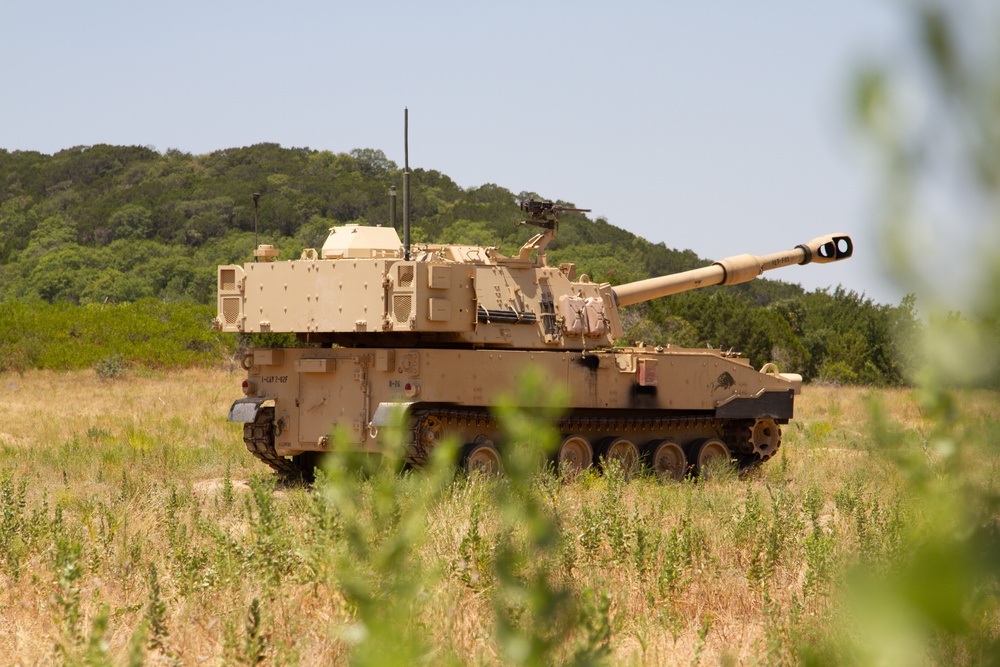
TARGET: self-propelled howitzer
(443,334)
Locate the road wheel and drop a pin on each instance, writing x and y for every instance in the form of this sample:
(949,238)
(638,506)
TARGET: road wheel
(709,454)
(624,452)
(667,460)
(483,458)
(575,454)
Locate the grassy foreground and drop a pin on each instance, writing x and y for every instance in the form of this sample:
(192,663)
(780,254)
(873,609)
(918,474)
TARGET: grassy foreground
(135,529)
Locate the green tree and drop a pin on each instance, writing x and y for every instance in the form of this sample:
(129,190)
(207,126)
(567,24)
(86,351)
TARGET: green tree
(131,221)
(373,162)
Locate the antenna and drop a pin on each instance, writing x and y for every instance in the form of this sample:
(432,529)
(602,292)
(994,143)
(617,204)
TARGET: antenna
(256,201)
(406,184)
(392,207)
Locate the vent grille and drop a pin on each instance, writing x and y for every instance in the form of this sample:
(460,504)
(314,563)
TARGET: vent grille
(227,280)
(405,276)
(231,309)
(402,306)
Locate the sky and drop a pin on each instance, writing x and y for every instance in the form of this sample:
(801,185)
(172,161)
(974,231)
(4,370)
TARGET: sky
(722,127)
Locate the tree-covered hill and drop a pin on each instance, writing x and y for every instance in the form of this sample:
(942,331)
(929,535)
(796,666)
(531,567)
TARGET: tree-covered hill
(116,224)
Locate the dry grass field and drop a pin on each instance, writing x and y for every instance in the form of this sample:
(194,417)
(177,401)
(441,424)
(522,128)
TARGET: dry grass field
(135,529)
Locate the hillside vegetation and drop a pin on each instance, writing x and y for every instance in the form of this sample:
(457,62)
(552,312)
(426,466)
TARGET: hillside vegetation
(107,225)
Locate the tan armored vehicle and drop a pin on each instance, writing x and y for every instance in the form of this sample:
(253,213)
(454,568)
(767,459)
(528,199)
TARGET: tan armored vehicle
(441,331)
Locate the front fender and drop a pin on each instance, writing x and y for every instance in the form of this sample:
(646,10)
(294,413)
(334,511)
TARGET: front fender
(245,410)
(388,412)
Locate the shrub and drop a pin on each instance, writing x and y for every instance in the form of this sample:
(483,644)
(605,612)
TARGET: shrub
(111,367)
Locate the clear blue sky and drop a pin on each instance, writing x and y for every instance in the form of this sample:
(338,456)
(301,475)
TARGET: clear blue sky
(722,127)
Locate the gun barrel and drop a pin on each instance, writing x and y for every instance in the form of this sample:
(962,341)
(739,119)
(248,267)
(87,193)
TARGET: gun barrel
(735,270)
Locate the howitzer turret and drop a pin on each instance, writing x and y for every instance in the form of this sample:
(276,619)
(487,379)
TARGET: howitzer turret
(440,331)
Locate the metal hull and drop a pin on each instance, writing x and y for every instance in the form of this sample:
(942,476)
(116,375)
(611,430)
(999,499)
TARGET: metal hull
(643,394)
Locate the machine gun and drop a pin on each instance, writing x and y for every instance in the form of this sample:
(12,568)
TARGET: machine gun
(545,214)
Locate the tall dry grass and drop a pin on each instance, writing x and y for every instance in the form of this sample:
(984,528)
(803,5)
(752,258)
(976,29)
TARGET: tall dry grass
(135,528)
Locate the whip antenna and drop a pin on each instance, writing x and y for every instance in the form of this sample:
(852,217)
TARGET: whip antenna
(406,183)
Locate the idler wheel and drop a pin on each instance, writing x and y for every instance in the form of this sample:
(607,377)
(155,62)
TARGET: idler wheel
(575,454)
(707,454)
(667,459)
(483,458)
(765,438)
(624,452)
(430,432)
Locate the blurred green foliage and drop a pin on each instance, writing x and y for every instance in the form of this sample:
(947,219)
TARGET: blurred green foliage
(940,180)
(380,519)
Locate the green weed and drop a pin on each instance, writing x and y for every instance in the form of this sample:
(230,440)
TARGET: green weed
(819,546)
(254,641)
(706,625)
(68,598)
(156,615)
(381,521)
(271,553)
(111,367)
(475,562)
(14,525)
(680,550)
(594,627)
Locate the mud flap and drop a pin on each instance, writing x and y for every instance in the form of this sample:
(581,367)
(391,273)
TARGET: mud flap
(388,413)
(775,405)
(245,410)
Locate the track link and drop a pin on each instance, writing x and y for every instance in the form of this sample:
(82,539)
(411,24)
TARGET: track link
(430,425)
(259,439)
